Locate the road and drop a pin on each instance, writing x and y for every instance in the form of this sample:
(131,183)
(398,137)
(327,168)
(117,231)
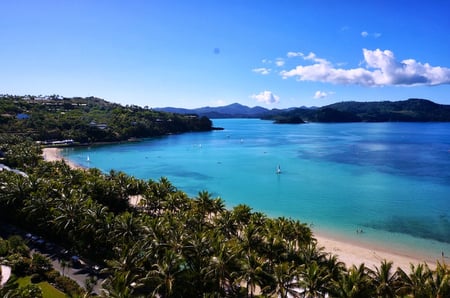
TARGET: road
(58,257)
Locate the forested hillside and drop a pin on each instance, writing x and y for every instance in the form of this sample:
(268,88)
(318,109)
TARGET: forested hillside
(87,120)
(411,110)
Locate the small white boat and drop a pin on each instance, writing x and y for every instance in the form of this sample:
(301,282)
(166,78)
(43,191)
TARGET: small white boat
(278,170)
(88,159)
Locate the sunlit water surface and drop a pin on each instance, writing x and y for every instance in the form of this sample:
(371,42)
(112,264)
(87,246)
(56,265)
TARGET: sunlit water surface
(390,179)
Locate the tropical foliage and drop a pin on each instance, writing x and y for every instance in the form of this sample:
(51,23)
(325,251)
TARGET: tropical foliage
(173,245)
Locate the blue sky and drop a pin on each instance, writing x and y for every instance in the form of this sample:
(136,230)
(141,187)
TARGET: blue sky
(199,53)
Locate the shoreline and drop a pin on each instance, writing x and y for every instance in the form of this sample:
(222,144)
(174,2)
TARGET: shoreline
(353,252)
(51,154)
(349,251)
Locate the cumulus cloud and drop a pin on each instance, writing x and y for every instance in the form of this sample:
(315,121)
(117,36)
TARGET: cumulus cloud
(382,69)
(364,34)
(321,94)
(262,70)
(267,97)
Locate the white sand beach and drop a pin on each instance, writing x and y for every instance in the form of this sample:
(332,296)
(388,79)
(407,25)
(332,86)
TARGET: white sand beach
(54,154)
(348,252)
(356,253)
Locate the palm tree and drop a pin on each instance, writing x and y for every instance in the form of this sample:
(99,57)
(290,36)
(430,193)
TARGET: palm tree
(223,261)
(334,266)
(164,274)
(355,283)
(226,223)
(415,283)
(242,214)
(126,229)
(310,253)
(284,281)
(384,280)
(253,272)
(121,284)
(37,206)
(63,264)
(69,213)
(14,189)
(251,238)
(208,206)
(314,280)
(440,281)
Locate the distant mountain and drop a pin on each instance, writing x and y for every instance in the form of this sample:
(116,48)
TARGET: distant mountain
(234,110)
(419,110)
(411,110)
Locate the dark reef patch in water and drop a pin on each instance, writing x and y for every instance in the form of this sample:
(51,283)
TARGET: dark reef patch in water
(421,227)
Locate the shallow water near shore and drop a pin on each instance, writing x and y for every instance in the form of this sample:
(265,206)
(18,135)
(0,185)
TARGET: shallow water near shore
(391,180)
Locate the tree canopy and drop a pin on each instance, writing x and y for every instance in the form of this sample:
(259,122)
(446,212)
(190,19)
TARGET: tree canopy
(173,245)
(88,120)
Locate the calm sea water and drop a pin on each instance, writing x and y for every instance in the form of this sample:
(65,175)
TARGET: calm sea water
(390,179)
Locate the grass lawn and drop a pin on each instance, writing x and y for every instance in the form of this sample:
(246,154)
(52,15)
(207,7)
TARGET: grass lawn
(48,290)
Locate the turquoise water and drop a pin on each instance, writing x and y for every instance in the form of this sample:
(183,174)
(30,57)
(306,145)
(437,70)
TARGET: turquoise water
(390,179)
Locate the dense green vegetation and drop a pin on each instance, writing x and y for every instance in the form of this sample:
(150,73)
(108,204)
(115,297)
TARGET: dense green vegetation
(411,110)
(87,120)
(172,245)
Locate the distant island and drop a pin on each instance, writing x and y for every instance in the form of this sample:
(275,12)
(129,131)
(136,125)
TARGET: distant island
(411,110)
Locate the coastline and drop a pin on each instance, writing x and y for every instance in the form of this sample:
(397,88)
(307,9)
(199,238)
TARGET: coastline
(355,253)
(348,251)
(54,154)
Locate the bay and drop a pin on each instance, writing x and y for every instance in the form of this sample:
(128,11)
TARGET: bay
(392,180)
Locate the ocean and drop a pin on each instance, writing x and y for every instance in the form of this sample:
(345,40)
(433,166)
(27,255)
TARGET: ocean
(390,180)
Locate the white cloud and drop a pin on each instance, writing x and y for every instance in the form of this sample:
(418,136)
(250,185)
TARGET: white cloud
(321,94)
(262,70)
(367,34)
(267,97)
(311,56)
(294,54)
(381,69)
(279,62)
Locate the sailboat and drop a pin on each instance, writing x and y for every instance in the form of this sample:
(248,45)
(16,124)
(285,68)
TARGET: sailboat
(278,170)
(87,159)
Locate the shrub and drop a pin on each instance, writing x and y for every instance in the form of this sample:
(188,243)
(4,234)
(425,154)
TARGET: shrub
(4,248)
(19,265)
(40,263)
(68,286)
(36,278)
(51,276)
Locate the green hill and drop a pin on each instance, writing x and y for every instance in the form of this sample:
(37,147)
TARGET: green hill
(411,110)
(88,120)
